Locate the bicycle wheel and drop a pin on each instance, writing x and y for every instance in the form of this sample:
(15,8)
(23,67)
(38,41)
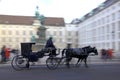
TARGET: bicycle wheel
(19,62)
(52,63)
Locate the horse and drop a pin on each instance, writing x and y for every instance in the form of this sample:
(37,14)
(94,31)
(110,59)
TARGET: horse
(80,53)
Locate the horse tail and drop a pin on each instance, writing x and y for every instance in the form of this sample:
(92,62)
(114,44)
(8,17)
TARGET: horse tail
(63,52)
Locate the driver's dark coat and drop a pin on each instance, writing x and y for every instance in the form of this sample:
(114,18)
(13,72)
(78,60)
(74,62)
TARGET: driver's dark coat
(49,43)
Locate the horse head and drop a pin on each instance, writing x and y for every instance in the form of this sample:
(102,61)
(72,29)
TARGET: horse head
(95,51)
(91,50)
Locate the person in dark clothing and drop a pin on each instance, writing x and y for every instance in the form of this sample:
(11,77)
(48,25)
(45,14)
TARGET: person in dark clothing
(49,44)
(3,56)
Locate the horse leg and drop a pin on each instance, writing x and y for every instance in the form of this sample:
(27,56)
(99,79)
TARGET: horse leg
(78,62)
(28,64)
(67,62)
(85,60)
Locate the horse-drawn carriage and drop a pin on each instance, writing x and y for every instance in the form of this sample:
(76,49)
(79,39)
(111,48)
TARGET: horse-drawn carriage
(27,56)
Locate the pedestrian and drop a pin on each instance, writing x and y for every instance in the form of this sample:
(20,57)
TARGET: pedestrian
(110,52)
(7,53)
(3,56)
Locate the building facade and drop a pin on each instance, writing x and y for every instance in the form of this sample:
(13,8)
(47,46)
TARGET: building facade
(56,30)
(71,31)
(101,27)
(14,30)
(17,29)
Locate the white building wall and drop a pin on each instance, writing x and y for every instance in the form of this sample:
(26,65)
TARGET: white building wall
(72,35)
(13,35)
(102,30)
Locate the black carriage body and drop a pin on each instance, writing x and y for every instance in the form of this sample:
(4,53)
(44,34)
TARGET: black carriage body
(26,49)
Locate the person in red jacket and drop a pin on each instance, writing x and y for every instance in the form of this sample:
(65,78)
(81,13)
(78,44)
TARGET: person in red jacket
(110,52)
(7,53)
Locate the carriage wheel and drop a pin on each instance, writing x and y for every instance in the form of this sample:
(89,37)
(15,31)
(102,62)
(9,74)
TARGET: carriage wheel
(19,62)
(52,63)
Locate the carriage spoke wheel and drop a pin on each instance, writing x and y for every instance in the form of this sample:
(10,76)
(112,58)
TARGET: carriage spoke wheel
(19,62)
(52,63)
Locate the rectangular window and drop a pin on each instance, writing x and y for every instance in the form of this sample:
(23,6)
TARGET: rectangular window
(48,33)
(113,27)
(76,33)
(76,40)
(113,16)
(3,39)
(17,32)
(9,32)
(60,40)
(17,39)
(24,39)
(69,39)
(119,26)
(119,35)
(31,32)
(108,28)
(24,32)
(119,46)
(108,19)
(3,32)
(107,37)
(54,33)
(103,20)
(119,14)
(69,33)
(10,39)
(60,33)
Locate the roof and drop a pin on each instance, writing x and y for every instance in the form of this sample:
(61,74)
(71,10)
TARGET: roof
(7,19)
(54,21)
(98,9)
(28,20)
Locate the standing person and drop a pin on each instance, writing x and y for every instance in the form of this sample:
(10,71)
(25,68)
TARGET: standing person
(49,44)
(110,53)
(7,53)
(3,54)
